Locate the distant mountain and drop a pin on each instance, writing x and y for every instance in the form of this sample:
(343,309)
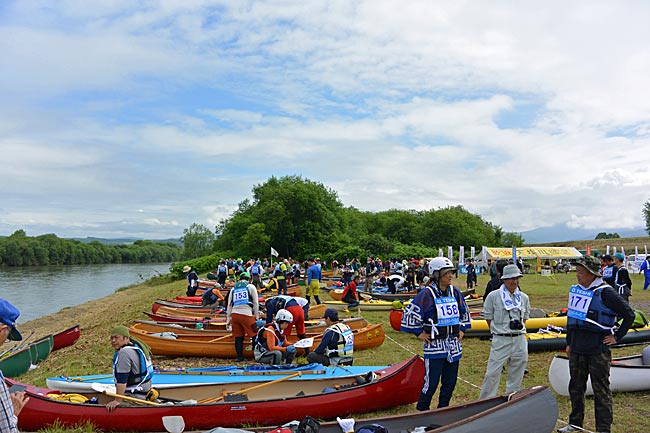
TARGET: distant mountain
(124,241)
(561,233)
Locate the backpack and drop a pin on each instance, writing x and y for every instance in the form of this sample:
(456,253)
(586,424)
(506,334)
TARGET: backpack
(309,425)
(639,320)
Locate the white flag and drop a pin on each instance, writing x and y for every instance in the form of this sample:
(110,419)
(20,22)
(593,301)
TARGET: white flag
(461,255)
(450,253)
(440,252)
(472,252)
(274,252)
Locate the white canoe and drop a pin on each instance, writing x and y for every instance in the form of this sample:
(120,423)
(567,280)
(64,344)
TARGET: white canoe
(627,374)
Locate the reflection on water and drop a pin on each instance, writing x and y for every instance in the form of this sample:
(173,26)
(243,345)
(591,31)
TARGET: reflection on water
(39,291)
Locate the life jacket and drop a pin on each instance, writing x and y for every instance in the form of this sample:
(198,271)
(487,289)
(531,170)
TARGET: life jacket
(145,374)
(603,316)
(240,294)
(255,269)
(278,272)
(442,331)
(261,343)
(345,344)
(222,269)
(280,302)
(193,279)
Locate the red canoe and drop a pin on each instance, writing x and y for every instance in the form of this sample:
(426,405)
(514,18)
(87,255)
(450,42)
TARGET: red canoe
(66,338)
(406,377)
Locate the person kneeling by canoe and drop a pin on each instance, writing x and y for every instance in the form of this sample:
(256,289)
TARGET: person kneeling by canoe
(271,346)
(337,345)
(212,296)
(350,295)
(132,367)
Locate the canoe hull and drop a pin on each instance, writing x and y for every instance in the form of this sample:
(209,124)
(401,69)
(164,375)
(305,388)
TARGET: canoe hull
(40,411)
(626,374)
(66,338)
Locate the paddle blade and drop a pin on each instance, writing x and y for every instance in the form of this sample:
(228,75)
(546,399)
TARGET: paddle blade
(174,424)
(103,387)
(305,342)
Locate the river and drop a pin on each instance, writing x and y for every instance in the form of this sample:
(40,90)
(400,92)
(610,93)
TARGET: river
(41,290)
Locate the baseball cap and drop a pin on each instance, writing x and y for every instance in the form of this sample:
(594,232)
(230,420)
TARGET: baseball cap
(8,315)
(331,314)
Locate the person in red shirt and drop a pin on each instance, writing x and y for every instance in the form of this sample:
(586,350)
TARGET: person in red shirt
(350,295)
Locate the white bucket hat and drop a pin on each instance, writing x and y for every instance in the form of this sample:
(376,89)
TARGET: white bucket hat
(511,271)
(186,268)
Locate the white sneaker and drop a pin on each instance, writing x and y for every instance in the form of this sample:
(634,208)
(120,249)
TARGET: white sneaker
(568,429)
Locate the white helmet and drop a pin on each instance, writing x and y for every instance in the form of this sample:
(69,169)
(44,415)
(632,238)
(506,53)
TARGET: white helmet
(283,316)
(440,263)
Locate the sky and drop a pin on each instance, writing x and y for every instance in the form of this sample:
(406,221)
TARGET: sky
(125,118)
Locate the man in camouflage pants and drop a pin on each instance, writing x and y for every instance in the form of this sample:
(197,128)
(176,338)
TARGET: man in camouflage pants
(593,307)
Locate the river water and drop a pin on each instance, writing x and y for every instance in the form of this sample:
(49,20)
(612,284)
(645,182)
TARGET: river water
(41,290)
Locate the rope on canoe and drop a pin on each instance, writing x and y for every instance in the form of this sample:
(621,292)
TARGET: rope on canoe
(413,353)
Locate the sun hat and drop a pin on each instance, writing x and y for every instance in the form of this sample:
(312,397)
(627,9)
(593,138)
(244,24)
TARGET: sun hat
(591,264)
(187,268)
(331,314)
(511,271)
(8,315)
(121,330)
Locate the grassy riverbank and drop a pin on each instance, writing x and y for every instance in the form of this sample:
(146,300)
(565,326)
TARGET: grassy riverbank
(92,353)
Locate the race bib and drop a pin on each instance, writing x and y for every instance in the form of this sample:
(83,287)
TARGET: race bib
(608,272)
(239,296)
(579,301)
(447,309)
(348,336)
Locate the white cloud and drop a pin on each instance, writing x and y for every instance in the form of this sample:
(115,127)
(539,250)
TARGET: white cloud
(530,115)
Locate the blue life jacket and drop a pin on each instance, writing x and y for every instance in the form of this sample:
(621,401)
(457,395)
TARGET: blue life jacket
(146,368)
(240,294)
(598,312)
(222,269)
(255,269)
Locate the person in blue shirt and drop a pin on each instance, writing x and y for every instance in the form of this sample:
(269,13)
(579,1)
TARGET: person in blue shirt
(192,280)
(314,277)
(645,268)
(438,316)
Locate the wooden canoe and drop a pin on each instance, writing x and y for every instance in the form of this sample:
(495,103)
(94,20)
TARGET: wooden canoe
(311,326)
(275,403)
(223,347)
(532,410)
(66,338)
(626,374)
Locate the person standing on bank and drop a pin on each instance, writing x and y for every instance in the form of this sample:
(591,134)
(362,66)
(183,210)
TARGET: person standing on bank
(438,316)
(622,280)
(192,280)
(337,345)
(132,366)
(242,312)
(314,277)
(591,330)
(12,403)
(506,311)
(645,268)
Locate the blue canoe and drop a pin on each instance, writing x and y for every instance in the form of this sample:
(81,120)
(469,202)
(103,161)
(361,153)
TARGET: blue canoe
(214,375)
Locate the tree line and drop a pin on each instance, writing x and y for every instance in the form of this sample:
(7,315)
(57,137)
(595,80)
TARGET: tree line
(22,250)
(301,218)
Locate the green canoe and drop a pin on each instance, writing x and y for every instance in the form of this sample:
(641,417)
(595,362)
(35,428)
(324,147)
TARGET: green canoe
(17,363)
(41,349)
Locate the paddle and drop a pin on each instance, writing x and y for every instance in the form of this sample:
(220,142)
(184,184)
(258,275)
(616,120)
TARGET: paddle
(252,388)
(18,346)
(173,423)
(98,387)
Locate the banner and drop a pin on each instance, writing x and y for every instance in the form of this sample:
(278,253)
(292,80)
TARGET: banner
(636,251)
(514,254)
(484,254)
(440,252)
(614,250)
(472,252)
(450,253)
(461,255)
(274,252)
(607,252)
(624,256)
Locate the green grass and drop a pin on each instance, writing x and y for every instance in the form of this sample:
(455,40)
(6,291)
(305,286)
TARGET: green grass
(92,353)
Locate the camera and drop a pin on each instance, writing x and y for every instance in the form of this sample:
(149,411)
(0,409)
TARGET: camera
(515,324)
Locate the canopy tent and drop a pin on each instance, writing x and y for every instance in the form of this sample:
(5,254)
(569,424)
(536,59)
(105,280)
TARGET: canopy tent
(528,253)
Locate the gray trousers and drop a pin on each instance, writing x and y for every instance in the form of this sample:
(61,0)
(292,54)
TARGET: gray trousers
(510,351)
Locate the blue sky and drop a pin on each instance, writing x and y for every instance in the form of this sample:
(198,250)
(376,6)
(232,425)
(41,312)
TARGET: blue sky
(123,118)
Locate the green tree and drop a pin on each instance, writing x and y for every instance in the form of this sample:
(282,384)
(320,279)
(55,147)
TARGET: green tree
(197,241)
(603,235)
(646,216)
(255,242)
